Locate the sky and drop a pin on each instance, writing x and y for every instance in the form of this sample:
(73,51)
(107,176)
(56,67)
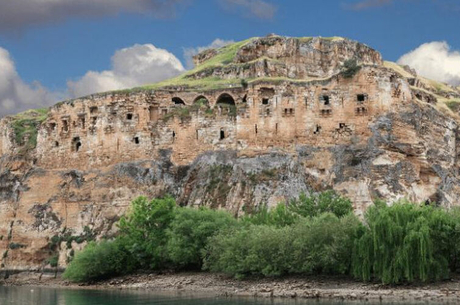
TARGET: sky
(57,49)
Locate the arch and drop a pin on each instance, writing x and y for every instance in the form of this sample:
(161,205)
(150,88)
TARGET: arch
(178,101)
(226,99)
(201,99)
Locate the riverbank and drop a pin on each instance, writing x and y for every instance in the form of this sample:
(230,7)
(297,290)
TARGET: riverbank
(292,287)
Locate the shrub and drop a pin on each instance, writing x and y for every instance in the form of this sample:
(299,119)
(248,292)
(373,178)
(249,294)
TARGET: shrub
(189,232)
(99,261)
(317,245)
(53,261)
(248,250)
(319,203)
(324,244)
(350,68)
(144,230)
(280,216)
(404,242)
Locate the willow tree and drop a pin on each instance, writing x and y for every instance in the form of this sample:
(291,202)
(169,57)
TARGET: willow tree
(403,243)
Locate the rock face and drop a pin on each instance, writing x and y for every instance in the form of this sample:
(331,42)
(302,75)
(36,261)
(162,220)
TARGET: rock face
(296,124)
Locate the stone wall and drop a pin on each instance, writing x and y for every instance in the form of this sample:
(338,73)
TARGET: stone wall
(116,128)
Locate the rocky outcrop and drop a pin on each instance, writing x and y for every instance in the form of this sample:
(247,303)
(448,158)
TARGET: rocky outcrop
(294,58)
(374,135)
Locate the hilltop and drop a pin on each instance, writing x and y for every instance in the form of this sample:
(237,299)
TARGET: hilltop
(255,123)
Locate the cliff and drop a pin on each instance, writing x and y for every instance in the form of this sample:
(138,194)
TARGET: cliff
(256,122)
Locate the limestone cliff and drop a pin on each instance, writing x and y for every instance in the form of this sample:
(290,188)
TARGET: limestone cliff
(256,122)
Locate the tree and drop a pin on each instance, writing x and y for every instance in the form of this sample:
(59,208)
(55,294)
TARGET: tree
(145,230)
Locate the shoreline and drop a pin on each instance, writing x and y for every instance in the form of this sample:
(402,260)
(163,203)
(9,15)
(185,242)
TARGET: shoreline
(311,287)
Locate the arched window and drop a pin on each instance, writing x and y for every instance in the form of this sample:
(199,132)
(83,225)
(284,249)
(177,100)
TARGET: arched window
(226,99)
(202,100)
(178,101)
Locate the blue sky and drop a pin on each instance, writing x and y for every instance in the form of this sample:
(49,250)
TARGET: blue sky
(53,50)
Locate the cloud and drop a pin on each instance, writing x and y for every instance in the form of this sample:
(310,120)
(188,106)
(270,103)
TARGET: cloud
(18,14)
(131,67)
(190,52)
(435,60)
(369,3)
(17,95)
(251,8)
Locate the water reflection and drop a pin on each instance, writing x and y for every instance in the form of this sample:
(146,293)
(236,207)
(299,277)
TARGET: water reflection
(49,296)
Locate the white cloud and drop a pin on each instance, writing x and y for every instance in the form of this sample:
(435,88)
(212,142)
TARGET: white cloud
(16,14)
(131,67)
(190,52)
(15,94)
(251,8)
(435,60)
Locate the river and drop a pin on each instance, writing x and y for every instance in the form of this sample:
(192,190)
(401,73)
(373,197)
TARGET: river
(51,296)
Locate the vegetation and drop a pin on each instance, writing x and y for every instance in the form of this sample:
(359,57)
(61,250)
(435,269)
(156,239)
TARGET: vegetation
(406,243)
(309,246)
(99,261)
(453,105)
(189,232)
(350,68)
(315,234)
(316,204)
(25,126)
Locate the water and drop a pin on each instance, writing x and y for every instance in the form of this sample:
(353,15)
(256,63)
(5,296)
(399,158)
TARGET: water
(50,296)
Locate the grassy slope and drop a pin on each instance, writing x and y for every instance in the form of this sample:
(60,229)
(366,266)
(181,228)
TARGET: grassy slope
(449,106)
(225,57)
(26,124)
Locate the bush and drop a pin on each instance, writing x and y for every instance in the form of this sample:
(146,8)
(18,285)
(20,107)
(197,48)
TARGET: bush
(189,232)
(53,261)
(350,68)
(248,250)
(325,202)
(318,245)
(405,243)
(324,244)
(99,261)
(280,216)
(144,230)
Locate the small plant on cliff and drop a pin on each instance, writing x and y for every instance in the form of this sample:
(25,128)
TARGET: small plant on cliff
(53,261)
(350,68)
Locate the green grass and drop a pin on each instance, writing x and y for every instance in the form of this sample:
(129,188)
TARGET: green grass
(453,105)
(225,56)
(397,68)
(27,124)
(209,83)
(436,86)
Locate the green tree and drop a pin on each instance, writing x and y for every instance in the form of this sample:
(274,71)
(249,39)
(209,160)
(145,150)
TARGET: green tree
(144,230)
(189,232)
(404,242)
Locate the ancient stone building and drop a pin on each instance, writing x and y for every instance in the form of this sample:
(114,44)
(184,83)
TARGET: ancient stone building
(257,122)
